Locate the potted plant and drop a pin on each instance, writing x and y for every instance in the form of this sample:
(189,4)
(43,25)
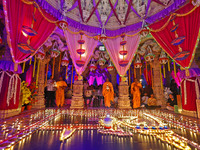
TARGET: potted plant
(33,89)
(25,94)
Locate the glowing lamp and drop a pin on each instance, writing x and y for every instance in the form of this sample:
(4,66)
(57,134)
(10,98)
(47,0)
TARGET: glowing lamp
(27,31)
(123,52)
(80,51)
(25,48)
(123,63)
(80,63)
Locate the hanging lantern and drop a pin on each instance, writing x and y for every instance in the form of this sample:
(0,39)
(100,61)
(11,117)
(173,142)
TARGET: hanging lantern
(150,56)
(181,56)
(138,63)
(178,41)
(123,52)
(54,53)
(110,67)
(27,31)
(65,61)
(40,54)
(101,61)
(80,51)
(163,58)
(144,32)
(92,67)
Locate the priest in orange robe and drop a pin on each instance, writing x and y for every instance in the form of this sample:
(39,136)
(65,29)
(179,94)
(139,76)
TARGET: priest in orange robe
(60,96)
(108,93)
(135,90)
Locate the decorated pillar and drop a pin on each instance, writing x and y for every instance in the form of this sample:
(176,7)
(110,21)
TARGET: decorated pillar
(124,100)
(157,81)
(77,101)
(40,103)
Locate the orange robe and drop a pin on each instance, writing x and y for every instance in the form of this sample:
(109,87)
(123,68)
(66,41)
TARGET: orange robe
(108,93)
(135,90)
(60,96)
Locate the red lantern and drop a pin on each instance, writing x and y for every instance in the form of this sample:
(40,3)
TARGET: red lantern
(28,31)
(80,63)
(123,63)
(62,24)
(81,41)
(110,67)
(123,52)
(80,51)
(25,48)
(123,43)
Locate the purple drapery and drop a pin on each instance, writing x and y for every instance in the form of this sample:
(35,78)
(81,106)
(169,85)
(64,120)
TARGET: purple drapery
(113,47)
(95,30)
(18,14)
(9,66)
(72,43)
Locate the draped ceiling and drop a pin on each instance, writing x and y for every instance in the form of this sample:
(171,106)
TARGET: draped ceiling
(20,13)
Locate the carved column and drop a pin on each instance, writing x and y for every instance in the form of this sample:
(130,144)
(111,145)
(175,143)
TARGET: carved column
(41,85)
(158,93)
(77,101)
(124,100)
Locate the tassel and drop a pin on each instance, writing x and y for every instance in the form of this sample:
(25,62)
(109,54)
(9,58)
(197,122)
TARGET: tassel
(72,75)
(15,67)
(23,67)
(66,72)
(47,68)
(134,72)
(151,75)
(146,72)
(30,61)
(38,69)
(187,72)
(53,67)
(140,71)
(59,63)
(161,77)
(174,68)
(164,71)
(129,74)
(34,66)
(168,65)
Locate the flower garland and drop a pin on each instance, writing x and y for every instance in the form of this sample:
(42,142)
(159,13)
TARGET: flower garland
(25,92)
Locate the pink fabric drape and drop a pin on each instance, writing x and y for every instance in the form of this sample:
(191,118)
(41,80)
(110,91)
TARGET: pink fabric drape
(113,47)
(18,14)
(29,75)
(72,43)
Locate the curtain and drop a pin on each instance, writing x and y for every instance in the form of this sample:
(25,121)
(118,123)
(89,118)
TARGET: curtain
(113,47)
(72,43)
(10,85)
(19,14)
(187,26)
(149,81)
(190,89)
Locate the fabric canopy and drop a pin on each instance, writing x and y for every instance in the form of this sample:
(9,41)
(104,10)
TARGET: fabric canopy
(72,43)
(17,15)
(179,31)
(113,47)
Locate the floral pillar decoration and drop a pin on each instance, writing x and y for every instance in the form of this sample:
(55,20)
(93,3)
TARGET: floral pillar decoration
(54,53)
(138,64)
(65,62)
(40,56)
(163,60)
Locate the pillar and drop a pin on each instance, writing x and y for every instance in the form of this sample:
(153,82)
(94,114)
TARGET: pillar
(41,85)
(124,100)
(158,92)
(77,101)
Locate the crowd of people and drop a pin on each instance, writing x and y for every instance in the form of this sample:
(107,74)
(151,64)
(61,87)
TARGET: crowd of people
(104,95)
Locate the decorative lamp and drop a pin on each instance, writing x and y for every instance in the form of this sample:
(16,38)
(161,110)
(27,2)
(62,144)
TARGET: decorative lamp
(150,56)
(80,51)
(102,38)
(40,54)
(144,32)
(138,63)
(110,67)
(92,67)
(101,61)
(80,63)
(123,52)
(62,24)
(25,48)
(1,41)
(65,62)
(163,59)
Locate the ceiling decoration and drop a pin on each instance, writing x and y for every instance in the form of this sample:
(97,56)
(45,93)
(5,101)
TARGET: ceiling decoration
(106,16)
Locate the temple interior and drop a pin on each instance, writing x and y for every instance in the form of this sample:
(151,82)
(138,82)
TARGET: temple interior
(100,74)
